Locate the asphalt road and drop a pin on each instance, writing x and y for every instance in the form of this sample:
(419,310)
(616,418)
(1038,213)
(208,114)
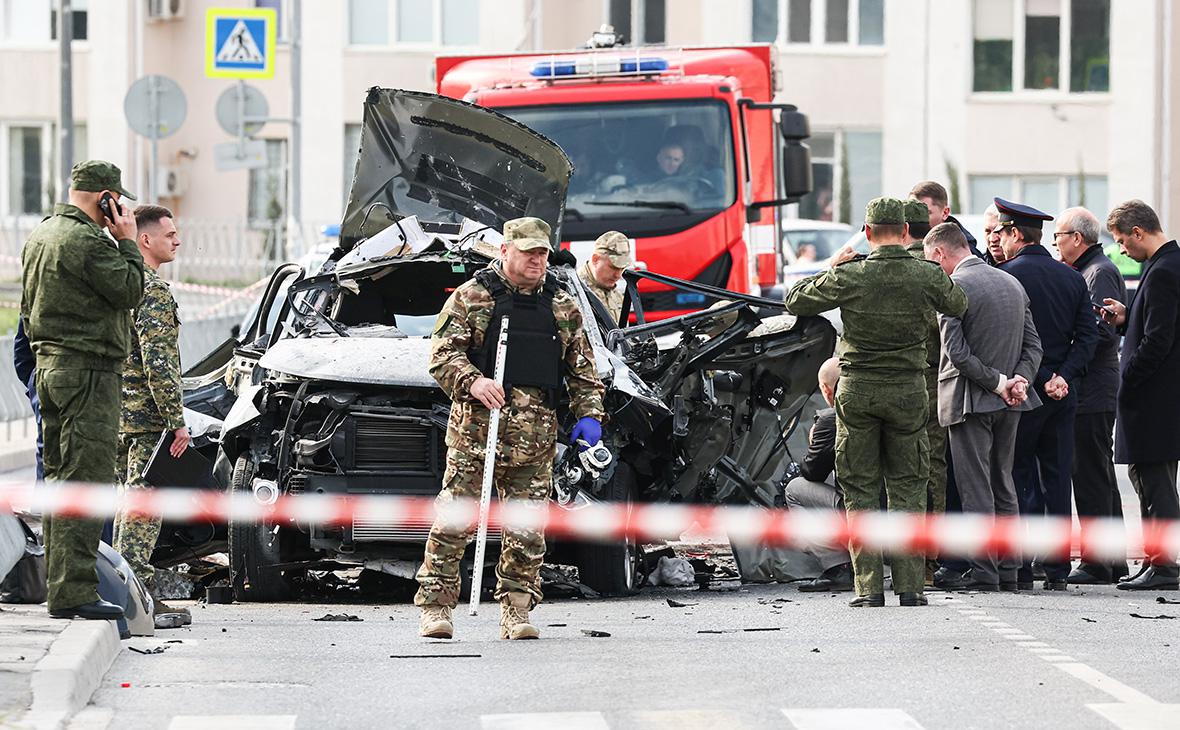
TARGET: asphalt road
(757,657)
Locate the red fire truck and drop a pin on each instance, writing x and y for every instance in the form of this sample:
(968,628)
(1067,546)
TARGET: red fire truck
(678,148)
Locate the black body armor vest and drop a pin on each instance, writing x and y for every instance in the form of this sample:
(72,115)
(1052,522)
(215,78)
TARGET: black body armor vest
(534,354)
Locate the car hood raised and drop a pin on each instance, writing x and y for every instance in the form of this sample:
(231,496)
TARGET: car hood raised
(400,361)
(444,160)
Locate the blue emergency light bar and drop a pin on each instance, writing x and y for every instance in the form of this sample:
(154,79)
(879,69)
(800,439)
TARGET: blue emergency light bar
(555,68)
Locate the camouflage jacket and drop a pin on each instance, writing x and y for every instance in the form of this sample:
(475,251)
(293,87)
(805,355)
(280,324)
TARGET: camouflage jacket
(77,291)
(151,375)
(879,297)
(933,337)
(610,296)
(461,326)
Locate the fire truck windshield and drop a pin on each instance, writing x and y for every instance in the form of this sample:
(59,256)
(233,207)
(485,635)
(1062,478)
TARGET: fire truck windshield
(643,160)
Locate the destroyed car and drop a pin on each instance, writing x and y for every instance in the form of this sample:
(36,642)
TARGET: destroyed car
(334,394)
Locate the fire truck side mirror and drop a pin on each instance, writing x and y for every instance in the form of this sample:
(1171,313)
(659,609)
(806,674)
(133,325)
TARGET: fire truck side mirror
(794,128)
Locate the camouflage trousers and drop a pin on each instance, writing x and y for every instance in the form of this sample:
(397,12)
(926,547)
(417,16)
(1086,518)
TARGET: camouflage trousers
(881,433)
(135,535)
(521,552)
(936,435)
(80,425)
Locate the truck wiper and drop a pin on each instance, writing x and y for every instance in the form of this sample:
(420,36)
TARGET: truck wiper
(575,213)
(666,204)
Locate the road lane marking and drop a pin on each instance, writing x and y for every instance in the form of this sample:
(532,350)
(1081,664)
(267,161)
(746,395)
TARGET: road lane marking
(1140,716)
(1103,683)
(544,721)
(684,719)
(1019,638)
(851,719)
(1058,658)
(233,722)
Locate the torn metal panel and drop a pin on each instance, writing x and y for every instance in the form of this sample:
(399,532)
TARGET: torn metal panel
(377,360)
(444,161)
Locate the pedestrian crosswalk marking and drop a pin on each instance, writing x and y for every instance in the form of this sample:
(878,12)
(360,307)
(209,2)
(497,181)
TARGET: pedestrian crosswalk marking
(233,722)
(240,46)
(545,721)
(851,719)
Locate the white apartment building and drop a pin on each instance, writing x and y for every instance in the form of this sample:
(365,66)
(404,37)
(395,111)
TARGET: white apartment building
(1051,102)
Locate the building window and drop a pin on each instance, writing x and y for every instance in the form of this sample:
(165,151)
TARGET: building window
(283,34)
(268,187)
(417,22)
(833,22)
(846,174)
(1042,44)
(1044,192)
(28,165)
(368,22)
(621,14)
(35,21)
(79,15)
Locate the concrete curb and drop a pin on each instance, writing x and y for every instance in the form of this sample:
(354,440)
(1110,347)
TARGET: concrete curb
(65,678)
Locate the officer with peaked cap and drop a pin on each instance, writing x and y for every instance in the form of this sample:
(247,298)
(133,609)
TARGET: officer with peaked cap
(881,401)
(612,256)
(1065,322)
(78,287)
(548,351)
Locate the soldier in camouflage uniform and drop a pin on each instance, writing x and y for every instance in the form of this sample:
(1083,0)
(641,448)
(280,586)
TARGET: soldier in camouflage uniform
(881,401)
(611,257)
(151,397)
(78,288)
(917,219)
(546,347)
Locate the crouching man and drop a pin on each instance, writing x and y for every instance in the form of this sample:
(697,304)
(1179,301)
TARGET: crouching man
(546,347)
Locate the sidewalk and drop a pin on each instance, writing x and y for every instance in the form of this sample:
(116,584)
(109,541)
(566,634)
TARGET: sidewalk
(49,668)
(18,444)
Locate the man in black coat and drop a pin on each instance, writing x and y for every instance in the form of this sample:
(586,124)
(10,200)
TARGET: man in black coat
(1147,432)
(1095,488)
(816,487)
(1065,321)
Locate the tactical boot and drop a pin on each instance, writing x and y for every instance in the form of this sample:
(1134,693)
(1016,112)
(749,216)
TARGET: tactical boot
(514,617)
(435,622)
(169,617)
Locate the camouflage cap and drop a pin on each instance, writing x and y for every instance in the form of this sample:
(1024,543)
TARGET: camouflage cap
(916,211)
(884,211)
(95,176)
(528,234)
(616,247)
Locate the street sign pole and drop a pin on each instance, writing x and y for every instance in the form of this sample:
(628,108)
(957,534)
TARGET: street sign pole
(154,114)
(65,34)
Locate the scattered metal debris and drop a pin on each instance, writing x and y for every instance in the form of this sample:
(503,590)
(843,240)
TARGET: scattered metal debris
(816,650)
(1160,616)
(678,604)
(1161,599)
(338,617)
(153,650)
(556,626)
(594,633)
(765,628)
(1089,620)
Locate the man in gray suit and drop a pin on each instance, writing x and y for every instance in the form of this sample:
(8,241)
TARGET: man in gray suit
(989,355)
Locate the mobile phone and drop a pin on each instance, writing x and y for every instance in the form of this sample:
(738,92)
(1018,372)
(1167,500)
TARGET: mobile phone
(1099,309)
(106,202)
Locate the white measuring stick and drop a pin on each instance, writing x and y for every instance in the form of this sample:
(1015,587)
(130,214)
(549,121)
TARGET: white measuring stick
(489,466)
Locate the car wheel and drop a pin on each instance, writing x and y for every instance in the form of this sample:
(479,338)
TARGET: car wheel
(612,569)
(254,548)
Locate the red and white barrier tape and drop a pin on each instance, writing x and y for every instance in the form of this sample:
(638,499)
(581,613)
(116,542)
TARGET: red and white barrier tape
(958,534)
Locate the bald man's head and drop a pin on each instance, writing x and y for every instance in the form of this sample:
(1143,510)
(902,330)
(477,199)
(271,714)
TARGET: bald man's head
(829,374)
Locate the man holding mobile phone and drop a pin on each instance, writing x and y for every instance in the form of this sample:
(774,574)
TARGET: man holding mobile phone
(78,287)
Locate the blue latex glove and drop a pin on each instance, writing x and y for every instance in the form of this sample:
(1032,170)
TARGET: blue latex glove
(587,429)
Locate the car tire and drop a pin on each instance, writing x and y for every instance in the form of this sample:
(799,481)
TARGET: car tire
(612,569)
(254,548)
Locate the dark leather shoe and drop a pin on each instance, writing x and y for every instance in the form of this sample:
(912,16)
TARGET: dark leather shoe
(835,579)
(968,582)
(1087,575)
(944,577)
(1056,584)
(99,610)
(1010,587)
(912,599)
(873,600)
(1038,571)
(1142,569)
(1153,579)
(1118,571)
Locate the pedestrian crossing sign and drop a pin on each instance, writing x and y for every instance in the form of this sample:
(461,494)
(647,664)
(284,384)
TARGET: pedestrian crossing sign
(240,43)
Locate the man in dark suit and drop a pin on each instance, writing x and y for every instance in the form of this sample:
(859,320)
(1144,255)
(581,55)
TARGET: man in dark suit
(1066,324)
(1095,488)
(816,486)
(1147,432)
(988,357)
